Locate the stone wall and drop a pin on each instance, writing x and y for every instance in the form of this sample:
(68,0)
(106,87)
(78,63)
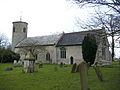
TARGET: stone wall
(71,51)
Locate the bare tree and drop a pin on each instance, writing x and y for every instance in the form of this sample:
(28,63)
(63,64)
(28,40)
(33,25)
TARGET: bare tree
(32,47)
(114,4)
(109,21)
(3,41)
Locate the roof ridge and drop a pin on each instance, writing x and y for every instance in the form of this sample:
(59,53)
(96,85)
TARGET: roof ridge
(93,30)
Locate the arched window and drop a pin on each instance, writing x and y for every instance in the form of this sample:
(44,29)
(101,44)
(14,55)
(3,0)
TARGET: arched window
(13,29)
(24,30)
(63,52)
(48,57)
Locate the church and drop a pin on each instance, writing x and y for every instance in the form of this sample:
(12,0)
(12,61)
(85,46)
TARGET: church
(64,47)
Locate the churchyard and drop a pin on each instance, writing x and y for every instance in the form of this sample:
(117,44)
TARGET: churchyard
(54,77)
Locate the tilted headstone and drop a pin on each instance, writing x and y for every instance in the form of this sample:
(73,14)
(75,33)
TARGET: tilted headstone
(78,69)
(84,76)
(74,68)
(98,72)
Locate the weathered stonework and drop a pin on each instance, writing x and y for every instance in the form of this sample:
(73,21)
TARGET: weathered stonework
(53,43)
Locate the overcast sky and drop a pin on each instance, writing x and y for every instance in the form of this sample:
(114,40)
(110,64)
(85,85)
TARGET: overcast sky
(43,16)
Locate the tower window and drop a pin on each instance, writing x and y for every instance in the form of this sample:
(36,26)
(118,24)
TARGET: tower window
(63,52)
(24,30)
(13,29)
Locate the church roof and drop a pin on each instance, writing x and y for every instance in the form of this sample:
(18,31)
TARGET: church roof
(65,39)
(75,38)
(40,40)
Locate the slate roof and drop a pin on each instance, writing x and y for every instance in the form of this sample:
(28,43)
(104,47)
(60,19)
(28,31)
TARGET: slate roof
(40,40)
(75,38)
(66,39)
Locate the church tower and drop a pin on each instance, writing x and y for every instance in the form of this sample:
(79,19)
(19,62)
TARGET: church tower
(19,33)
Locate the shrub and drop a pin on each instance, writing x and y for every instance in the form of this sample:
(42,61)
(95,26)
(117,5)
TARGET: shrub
(7,55)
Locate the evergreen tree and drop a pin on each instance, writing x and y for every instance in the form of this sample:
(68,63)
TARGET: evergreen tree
(89,48)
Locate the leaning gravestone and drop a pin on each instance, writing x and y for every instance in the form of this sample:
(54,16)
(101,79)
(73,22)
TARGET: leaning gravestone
(84,76)
(78,69)
(74,68)
(98,72)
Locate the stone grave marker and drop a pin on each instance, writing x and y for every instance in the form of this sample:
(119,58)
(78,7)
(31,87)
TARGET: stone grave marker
(84,76)
(98,72)
(78,69)
(40,65)
(74,68)
(55,69)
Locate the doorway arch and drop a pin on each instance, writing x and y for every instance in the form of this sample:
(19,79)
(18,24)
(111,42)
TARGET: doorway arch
(71,60)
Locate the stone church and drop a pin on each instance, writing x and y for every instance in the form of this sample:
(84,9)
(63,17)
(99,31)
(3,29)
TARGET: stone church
(65,47)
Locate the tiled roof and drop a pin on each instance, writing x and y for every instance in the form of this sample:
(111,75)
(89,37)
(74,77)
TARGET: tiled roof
(40,40)
(75,38)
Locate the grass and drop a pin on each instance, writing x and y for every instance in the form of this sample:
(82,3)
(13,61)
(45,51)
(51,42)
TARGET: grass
(47,79)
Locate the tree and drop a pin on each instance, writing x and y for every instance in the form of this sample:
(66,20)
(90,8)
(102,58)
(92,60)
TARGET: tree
(31,46)
(89,48)
(109,21)
(3,41)
(6,55)
(114,4)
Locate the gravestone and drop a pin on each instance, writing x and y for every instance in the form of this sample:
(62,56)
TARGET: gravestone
(9,69)
(74,68)
(15,61)
(78,69)
(55,69)
(19,64)
(40,65)
(98,72)
(84,76)
(61,64)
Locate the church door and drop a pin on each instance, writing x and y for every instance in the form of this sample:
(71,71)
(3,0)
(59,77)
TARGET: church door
(71,60)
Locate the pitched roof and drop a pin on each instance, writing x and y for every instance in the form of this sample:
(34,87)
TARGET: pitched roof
(40,40)
(75,38)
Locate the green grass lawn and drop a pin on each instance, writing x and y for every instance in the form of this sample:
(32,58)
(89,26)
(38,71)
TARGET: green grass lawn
(47,79)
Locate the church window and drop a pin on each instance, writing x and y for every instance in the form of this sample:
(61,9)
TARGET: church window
(13,29)
(48,57)
(24,30)
(63,52)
